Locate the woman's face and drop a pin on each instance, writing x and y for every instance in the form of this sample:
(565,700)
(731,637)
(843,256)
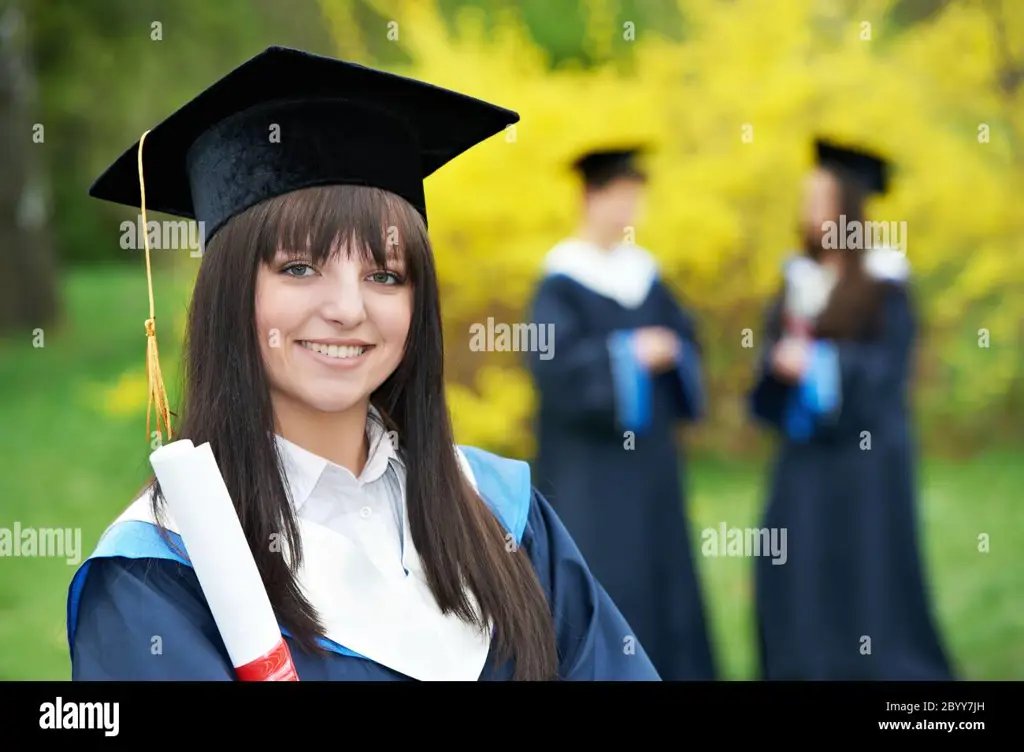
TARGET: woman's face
(330,336)
(618,205)
(821,202)
(821,206)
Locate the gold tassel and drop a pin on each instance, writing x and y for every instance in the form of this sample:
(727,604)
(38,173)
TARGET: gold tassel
(157,391)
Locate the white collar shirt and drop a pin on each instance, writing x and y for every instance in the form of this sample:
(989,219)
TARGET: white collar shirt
(369,510)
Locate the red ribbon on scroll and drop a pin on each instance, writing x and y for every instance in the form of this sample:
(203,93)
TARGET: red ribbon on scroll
(274,666)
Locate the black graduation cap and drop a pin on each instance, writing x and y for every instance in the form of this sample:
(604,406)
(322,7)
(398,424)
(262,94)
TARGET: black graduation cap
(870,169)
(288,119)
(602,166)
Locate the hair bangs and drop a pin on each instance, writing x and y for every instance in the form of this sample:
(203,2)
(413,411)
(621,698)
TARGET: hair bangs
(321,223)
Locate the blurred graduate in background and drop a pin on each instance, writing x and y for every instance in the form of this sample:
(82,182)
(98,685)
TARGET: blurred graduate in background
(626,370)
(850,602)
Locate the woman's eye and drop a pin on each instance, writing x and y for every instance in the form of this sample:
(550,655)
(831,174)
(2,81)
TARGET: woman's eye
(291,270)
(386,278)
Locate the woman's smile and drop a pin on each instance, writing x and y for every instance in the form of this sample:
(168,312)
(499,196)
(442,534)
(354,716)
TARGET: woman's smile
(336,355)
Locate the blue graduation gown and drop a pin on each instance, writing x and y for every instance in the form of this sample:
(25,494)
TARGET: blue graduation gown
(849,603)
(623,503)
(134,587)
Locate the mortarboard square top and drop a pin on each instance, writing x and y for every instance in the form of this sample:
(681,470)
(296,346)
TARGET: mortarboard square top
(870,169)
(601,166)
(288,119)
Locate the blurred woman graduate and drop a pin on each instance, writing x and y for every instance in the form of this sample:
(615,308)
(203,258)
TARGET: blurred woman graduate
(625,371)
(314,339)
(849,603)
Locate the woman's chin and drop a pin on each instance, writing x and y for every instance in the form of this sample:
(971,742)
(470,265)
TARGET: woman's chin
(340,405)
(332,403)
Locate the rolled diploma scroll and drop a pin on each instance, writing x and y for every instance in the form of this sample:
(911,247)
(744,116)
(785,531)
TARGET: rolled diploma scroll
(208,524)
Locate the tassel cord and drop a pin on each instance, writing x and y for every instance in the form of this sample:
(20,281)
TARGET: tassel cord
(157,391)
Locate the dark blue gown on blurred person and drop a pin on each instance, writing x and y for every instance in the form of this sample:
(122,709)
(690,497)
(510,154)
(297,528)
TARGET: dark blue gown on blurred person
(608,458)
(850,602)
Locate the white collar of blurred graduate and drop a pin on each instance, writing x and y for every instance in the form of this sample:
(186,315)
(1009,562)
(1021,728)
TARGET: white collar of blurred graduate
(360,569)
(883,263)
(887,264)
(624,274)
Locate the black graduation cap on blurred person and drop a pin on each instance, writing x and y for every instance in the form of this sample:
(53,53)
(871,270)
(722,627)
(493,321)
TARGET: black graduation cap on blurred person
(288,119)
(600,167)
(871,170)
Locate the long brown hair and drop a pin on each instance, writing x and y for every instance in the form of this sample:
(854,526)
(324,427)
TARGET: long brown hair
(854,307)
(227,403)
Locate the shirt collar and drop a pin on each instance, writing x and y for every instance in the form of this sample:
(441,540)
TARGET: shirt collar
(303,469)
(624,274)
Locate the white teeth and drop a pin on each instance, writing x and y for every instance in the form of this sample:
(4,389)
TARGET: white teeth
(334,351)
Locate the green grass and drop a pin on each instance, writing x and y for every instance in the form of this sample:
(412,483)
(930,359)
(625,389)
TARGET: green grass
(979,596)
(69,464)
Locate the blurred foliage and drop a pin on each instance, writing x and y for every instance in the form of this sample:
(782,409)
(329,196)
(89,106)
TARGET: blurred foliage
(561,28)
(110,69)
(732,109)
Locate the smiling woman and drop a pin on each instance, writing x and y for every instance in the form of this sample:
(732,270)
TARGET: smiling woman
(315,327)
